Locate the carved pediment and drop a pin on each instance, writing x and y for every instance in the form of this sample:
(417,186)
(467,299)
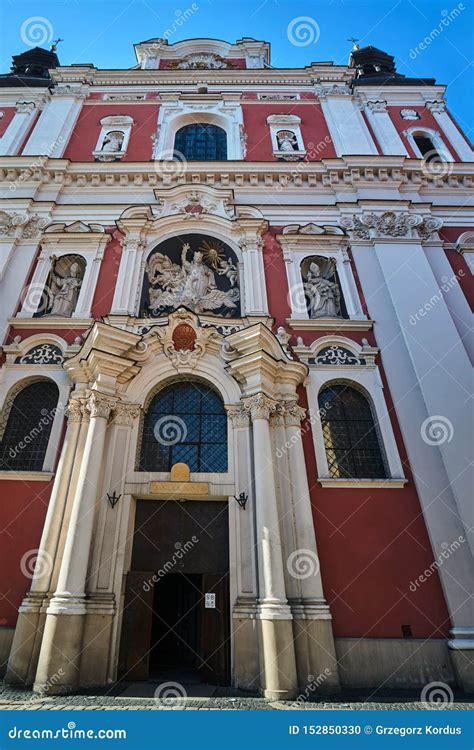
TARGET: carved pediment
(195,203)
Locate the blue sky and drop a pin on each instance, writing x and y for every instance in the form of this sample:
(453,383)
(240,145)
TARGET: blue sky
(103,32)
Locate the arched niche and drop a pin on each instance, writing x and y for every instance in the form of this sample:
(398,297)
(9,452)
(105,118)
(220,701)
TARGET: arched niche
(192,270)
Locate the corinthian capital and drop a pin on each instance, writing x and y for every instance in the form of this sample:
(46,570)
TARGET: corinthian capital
(238,415)
(74,410)
(124,414)
(260,406)
(100,405)
(294,414)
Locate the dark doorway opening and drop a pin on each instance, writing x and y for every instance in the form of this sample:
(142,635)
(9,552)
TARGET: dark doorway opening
(175,624)
(176,619)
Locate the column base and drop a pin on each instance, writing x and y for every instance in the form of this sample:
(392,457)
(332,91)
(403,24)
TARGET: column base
(277,663)
(315,652)
(26,643)
(59,659)
(246,671)
(461,647)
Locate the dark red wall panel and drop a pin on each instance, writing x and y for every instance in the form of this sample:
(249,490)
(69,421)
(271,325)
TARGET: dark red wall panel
(87,130)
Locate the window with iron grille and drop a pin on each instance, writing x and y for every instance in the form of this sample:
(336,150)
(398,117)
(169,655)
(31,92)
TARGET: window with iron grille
(201,142)
(185,422)
(350,434)
(28,427)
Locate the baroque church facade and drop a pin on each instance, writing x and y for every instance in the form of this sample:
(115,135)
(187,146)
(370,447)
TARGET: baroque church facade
(235,429)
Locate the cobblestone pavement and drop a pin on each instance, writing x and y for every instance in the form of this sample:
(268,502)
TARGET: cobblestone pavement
(14,699)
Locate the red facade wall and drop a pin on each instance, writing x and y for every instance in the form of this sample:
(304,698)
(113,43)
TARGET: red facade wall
(87,130)
(8,115)
(313,129)
(372,544)
(22,512)
(426,121)
(457,262)
(107,280)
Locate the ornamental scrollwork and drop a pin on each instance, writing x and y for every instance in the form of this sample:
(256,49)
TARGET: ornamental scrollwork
(42,354)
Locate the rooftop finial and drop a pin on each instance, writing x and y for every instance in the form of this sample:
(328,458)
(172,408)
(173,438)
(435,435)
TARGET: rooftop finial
(354,41)
(54,44)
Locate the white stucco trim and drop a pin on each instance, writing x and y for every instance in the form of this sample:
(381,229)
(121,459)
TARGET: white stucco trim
(367,377)
(298,247)
(175,114)
(465,246)
(434,136)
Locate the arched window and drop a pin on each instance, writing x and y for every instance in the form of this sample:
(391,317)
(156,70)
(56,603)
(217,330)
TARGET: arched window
(29,419)
(350,434)
(426,147)
(185,422)
(201,142)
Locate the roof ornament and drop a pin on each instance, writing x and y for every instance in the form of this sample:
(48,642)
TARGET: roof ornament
(354,41)
(54,44)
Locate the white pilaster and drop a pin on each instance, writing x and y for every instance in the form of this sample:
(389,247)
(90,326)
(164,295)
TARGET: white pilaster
(255,290)
(124,302)
(384,129)
(56,122)
(453,134)
(390,285)
(347,128)
(12,139)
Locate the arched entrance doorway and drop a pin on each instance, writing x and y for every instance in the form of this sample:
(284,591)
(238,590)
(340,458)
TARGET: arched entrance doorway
(176,611)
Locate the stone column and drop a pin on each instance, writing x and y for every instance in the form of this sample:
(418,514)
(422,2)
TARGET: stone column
(242,555)
(278,666)
(28,627)
(59,660)
(314,640)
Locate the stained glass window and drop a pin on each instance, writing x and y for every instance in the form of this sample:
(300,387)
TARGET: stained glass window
(201,142)
(25,439)
(350,434)
(185,422)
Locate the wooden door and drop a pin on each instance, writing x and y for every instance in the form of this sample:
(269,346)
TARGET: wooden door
(215,630)
(136,626)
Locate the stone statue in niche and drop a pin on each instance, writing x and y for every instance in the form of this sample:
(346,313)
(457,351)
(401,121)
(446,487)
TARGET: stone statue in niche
(323,295)
(113,141)
(287,141)
(64,288)
(192,284)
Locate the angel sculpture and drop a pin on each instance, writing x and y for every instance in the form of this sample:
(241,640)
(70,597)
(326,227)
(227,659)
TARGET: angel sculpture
(191,285)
